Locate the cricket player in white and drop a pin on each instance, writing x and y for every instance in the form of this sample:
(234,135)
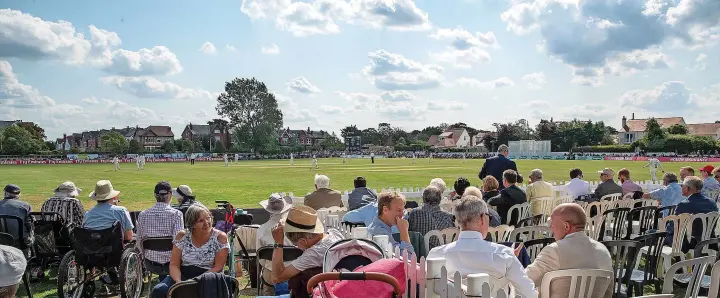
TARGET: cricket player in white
(225,159)
(654,164)
(314,162)
(116,163)
(414,158)
(464,157)
(292,159)
(237,156)
(137,161)
(430,157)
(142,162)
(344,157)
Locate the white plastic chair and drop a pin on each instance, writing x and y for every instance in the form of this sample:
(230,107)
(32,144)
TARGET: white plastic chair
(546,206)
(708,220)
(624,203)
(593,227)
(715,281)
(561,200)
(500,233)
(444,236)
(522,211)
(698,265)
(646,202)
(611,197)
(583,282)
(680,232)
(530,233)
(600,206)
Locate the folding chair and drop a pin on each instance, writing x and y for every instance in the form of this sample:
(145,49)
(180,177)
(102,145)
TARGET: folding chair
(290,253)
(159,244)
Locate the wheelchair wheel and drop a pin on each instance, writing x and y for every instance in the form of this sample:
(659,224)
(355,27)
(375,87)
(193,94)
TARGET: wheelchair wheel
(131,274)
(70,277)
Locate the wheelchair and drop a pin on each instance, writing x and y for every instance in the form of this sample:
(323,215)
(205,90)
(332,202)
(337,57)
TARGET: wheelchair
(96,253)
(52,239)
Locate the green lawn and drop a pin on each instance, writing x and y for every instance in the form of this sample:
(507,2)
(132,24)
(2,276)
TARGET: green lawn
(247,183)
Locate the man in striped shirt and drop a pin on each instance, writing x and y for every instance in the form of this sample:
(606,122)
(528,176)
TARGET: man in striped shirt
(161,220)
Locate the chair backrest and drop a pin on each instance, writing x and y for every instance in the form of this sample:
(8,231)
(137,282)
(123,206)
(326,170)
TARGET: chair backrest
(191,289)
(628,195)
(698,265)
(444,236)
(703,248)
(524,234)
(644,216)
(583,282)
(534,220)
(715,281)
(616,221)
(158,243)
(13,225)
(47,229)
(654,244)
(561,200)
(290,253)
(600,207)
(546,205)
(680,224)
(593,227)
(520,210)
(500,233)
(611,197)
(661,210)
(624,254)
(708,221)
(645,203)
(624,203)
(533,247)
(98,248)
(7,239)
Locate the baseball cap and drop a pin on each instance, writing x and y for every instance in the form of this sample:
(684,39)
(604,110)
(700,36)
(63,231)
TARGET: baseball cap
(707,169)
(607,171)
(163,188)
(12,189)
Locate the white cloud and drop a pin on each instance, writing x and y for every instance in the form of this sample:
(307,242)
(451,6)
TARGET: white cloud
(292,112)
(401,111)
(487,85)
(539,109)
(149,87)
(14,94)
(303,18)
(445,105)
(700,62)
(272,49)
(208,48)
(230,48)
(396,96)
(158,60)
(331,109)
(534,80)
(672,97)
(465,49)
(360,101)
(622,64)
(302,85)
(90,100)
(390,71)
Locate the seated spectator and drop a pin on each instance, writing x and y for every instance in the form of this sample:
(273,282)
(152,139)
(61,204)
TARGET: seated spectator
(361,195)
(460,185)
(391,208)
(184,196)
(323,196)
(696,203)
(160,220)
(538,189)
(429,217)
(573,249)
(577,187)
(474,191)
(670,194)
(439,183)
(628,186)
(12,268)
(490,188)
(198,249)
(305,231)
(65,203)
(686,172)
(510,196)
(608,185)
(278,208)
(710,185)
(472,254)
(12,205)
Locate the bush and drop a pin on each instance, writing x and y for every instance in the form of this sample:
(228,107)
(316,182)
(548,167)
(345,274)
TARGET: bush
(605,148)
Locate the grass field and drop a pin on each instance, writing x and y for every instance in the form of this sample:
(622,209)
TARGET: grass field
(248,182)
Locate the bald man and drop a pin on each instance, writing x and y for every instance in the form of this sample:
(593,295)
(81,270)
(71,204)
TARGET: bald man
(578,251)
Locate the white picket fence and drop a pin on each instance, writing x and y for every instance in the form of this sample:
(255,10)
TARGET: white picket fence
(426,279)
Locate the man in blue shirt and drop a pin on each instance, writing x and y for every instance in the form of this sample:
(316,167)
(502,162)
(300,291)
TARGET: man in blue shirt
(695,204)
(361,195)
(106,213)
(711,187)
(391,209)
(670,194)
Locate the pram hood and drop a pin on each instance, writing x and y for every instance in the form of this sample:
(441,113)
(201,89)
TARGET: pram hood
(350,247)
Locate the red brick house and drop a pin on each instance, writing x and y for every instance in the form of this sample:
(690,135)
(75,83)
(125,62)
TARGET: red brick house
(153,137)
(306,138)
(193,132)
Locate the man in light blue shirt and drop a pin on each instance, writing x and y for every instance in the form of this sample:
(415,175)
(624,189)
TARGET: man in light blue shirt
(106,213)
(391,209)
(668,195)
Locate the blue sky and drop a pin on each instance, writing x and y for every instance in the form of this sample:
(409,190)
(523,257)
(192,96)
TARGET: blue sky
(79,65)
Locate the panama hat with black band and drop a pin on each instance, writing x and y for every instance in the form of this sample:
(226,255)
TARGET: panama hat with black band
(303,219)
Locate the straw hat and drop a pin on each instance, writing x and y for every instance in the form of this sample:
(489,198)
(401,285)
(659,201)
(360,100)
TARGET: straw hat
(104,191)
(276,204)
(303,219)
(68,188)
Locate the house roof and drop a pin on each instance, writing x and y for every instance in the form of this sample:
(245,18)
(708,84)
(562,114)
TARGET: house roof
(447,142)
(201,129)
(6,123)
(641,124)
(433,140)
(457,133)
(704,129)
(320,134)
(158,131)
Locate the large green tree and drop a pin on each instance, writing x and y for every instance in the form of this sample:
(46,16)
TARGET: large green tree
(678,129)
(350,130)
(253,110)
(134,147)
(114,143)
(19,141)
(168,146)
(655,136)
(35,130)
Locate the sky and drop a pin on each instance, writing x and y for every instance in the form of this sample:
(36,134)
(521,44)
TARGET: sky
(72,66)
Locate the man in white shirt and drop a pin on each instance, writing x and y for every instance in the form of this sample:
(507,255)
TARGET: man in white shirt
(314,162)
(292,159)
(137,161)
(278,208)
(472,254)
(577,187)
(414,158)
(225,159)
(116,163)
(654,164)
(237,156)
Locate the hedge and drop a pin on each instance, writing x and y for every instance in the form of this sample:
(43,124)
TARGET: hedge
(604,148)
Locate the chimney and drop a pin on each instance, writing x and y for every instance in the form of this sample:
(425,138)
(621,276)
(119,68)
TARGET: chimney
(633,116)
(624,123)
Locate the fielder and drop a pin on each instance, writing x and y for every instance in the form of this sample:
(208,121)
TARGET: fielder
(464,157)
(414,158)
(142,162)
(344,158)
(225,159)
(116,163)
(654,164)
(314,162)
(237,156)
(137,162)
(292,159)
(430,157)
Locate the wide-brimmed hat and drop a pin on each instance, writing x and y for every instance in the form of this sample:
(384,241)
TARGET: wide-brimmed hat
(303,219)
(182,191)
(12,265)
(276,204)
(68,188)
(104,191)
